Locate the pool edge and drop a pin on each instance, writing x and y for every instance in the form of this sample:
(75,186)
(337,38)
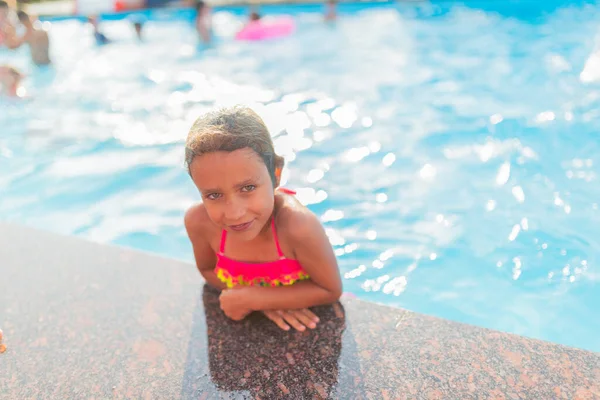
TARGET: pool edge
(91,319)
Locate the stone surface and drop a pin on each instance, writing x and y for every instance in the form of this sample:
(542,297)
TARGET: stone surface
(82,320)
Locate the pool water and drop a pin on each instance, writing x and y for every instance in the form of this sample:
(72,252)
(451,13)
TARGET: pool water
(451,151)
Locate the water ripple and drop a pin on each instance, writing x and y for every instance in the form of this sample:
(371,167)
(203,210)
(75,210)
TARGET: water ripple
(451,152)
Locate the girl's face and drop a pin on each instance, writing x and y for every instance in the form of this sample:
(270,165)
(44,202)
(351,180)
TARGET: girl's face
(236,190)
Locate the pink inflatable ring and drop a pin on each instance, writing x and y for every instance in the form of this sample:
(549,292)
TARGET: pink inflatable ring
(261,30)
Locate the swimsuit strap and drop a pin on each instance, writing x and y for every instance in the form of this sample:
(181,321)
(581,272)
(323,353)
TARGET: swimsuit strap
(222,245)
(287,191)
(279,252)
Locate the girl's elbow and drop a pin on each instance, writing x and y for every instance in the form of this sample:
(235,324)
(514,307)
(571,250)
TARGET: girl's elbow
(335,294)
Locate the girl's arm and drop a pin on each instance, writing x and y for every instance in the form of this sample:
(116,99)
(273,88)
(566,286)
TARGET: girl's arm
(315,254)
(204,255)
(300,295)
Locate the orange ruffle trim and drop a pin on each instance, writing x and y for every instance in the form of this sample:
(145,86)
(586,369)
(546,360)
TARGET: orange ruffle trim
(284,280)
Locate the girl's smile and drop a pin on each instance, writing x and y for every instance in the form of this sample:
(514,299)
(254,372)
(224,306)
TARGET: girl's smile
(236,189)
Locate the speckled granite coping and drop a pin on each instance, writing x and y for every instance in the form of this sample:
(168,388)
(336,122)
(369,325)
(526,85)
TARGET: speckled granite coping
(86,321)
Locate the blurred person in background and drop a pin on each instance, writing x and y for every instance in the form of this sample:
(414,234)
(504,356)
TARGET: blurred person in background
(10,81)
(137,25)
(331,10)
(254,12)
(7,28)
(254,16)
(203,21)
(36,38)
(137,21)
(98,35)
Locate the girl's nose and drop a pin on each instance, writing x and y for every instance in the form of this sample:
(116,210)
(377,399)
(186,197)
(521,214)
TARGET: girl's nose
(234,211)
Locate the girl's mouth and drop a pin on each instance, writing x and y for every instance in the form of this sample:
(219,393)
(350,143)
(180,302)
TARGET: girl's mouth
(241,227)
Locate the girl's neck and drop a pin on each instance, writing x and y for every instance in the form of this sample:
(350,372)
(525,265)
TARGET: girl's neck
(265,232)
(266,229)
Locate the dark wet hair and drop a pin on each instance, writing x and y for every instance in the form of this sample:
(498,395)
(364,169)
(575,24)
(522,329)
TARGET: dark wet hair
(3,4)
(231,129)
(200,4)
(23,17)
(254,16)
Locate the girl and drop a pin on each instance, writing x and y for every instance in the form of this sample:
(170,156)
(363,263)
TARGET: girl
(255,241)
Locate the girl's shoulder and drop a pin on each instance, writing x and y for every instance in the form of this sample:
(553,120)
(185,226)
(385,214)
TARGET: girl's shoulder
(294,220)
(197,222)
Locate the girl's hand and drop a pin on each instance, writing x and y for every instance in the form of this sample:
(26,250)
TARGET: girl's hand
(299,319)
(234,303)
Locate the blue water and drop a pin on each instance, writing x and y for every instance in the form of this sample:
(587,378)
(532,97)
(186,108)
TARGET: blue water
(450,150)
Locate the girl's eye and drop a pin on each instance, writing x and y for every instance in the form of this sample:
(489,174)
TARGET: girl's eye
(248,188)
(213,196)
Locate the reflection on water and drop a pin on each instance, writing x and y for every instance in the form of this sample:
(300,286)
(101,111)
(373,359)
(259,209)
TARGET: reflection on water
(451,153)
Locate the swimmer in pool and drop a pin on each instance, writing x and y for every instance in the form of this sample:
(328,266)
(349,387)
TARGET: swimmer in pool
(10,81)
(203,21)
(138,29)
(330,11)
(36,38)
(254,16)
(138,21)
(7,29)
(99,36)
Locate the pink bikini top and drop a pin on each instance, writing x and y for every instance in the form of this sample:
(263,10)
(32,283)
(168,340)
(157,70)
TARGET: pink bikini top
(283,271)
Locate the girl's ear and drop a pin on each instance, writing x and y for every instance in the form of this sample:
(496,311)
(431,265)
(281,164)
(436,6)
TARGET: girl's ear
(279,163)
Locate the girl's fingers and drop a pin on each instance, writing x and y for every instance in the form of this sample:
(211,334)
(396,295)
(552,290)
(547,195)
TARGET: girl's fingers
(298,319)
(310,315)
(291,319)
(305,319)
(278,319)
